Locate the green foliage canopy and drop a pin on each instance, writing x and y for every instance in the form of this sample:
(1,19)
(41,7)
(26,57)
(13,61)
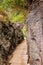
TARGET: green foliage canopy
(19,5)
(12,3)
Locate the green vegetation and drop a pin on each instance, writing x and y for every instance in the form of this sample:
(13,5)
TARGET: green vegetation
(18,12)
(17,16)
(12,3)
(15,9)
(24,32)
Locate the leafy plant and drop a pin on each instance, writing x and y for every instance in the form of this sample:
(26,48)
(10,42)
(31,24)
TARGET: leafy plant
(24,32)
(18,15)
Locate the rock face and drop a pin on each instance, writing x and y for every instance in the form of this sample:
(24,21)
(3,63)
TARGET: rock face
(34,34)
(10,36)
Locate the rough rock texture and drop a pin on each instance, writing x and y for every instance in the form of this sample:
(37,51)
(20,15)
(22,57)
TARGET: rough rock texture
(34,34)
(10,36)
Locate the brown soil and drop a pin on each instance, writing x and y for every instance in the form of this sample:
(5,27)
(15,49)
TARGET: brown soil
(19,56)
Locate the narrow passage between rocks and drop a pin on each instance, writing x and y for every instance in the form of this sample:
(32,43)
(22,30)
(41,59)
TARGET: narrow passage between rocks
(19,56)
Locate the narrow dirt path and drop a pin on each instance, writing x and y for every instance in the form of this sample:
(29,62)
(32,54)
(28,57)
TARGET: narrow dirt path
(19,55)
